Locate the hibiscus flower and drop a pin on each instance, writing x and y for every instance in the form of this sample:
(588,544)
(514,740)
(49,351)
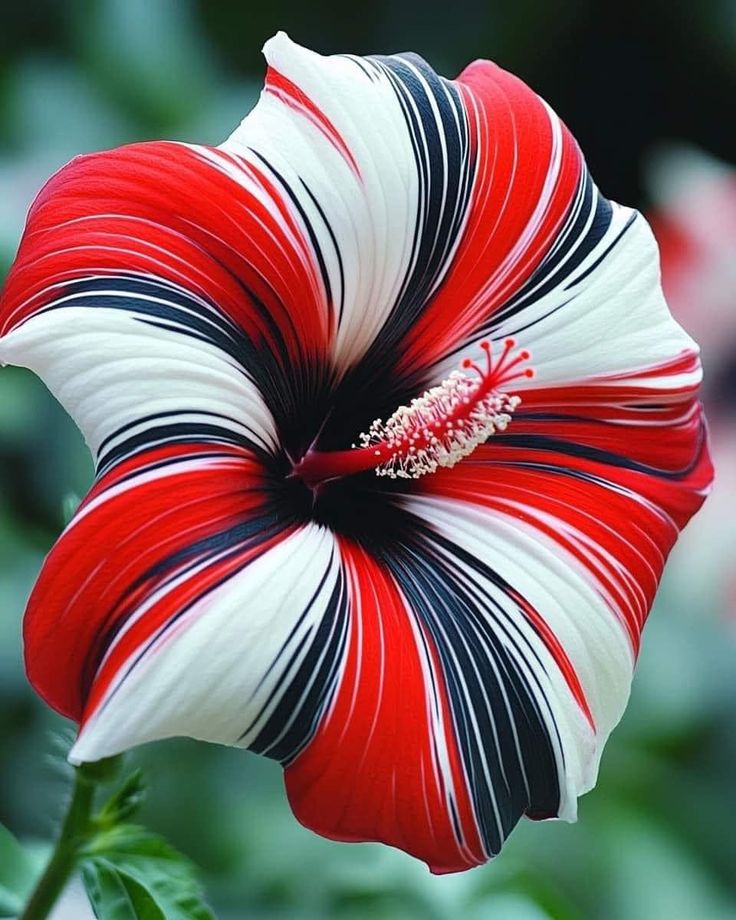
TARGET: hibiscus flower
(379,272)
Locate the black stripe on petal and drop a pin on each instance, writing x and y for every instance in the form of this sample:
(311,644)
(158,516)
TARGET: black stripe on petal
(439,133)
(502,719)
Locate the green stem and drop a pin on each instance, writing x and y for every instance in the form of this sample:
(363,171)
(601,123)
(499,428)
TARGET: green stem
(76,830)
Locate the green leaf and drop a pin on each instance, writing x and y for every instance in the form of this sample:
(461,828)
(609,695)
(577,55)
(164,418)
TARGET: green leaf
(127,868)
(124,802)
(115,895)
(17,874)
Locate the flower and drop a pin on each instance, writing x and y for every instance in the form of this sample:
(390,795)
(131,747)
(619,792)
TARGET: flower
(379,271)
(694,221)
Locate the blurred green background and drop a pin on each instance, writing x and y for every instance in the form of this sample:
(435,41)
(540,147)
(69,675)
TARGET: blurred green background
(635,81)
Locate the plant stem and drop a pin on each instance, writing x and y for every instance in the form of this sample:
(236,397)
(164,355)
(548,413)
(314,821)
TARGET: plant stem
(74,831)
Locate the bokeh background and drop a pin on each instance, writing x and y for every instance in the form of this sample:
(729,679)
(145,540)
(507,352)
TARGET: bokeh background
(648,88)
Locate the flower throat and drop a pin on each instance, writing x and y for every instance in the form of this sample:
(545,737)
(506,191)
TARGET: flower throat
(437,429)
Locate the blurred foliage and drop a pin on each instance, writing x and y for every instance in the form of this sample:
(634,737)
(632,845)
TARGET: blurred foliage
(656,839)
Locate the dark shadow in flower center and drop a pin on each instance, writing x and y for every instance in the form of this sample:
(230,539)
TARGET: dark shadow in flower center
(364,508)
(331,417)
(318,412)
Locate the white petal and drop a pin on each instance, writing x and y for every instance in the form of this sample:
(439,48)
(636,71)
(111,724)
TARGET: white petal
(117,373)
(354,171)
(605,316)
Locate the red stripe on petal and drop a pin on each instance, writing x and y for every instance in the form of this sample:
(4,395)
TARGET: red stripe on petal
(164,613)
(527,173)
(290,94)
(557,652)
(373,770)
(618,522)
(199,217)
(113,558)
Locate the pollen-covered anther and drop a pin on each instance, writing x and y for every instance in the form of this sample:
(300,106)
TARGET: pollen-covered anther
(449,421)
(438,428)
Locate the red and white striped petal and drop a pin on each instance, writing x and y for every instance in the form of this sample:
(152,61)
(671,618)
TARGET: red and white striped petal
(222,667)
(570,539)
(385,762)
(609,320)
(569,651)
(529,184)
(357,189)
(429,201)
(150,286)
(156,616)
(597,326)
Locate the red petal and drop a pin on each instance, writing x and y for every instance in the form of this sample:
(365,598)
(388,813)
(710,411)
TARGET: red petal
(125,541)
(372,770)
(194,216)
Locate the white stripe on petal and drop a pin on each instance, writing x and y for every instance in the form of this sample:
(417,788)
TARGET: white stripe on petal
(359,173)
(222,667)
(110,369)
(568,597)
(606,316)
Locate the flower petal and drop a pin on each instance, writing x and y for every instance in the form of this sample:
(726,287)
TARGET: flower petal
(451,718)
(530,199)
(154,617)
(430,200)
(125,358)
(492,643)
(354,141)
(385,762)
(162,275)
(552,522)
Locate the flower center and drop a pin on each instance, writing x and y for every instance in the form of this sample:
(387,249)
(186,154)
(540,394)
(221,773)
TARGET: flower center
(438,428)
